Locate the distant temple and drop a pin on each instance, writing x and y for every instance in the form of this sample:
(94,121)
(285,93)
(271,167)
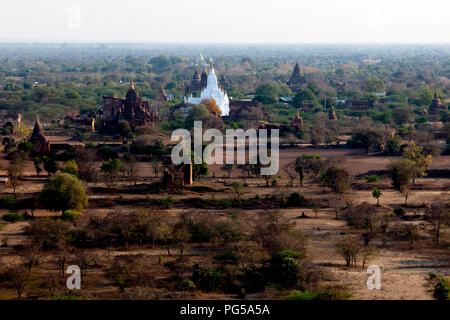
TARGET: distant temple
(331,114)
(297,122)
(436,104)
(296,125)
(38,139)
(198,83)
(212,91)
(224,84)
(297,79)
(11,122)
(161,95)
(132,109)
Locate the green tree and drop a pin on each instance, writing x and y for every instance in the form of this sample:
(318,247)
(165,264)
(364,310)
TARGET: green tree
(305,95)
(110,170)
(419,162)
(200,171)
(401,172)
(37,161)
(50,165)
(402,115)
(63,192)
(71,167)
(15,170)
(376,193)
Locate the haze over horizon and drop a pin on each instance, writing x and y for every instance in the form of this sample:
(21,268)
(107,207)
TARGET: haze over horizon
(232,21)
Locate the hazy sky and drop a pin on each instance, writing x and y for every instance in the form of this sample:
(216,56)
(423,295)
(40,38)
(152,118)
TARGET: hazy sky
(202,21)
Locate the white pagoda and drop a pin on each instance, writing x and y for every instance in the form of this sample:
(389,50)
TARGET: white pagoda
(212,91)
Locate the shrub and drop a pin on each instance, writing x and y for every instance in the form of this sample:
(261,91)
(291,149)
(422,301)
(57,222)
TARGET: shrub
(168,202)
(302,295)
(441,290)
(12,217)
(226,257)
(7,202)
(295,200)
(70,215)
(283,269)
(399,212)
(372,178)
(186,285)
(207,279)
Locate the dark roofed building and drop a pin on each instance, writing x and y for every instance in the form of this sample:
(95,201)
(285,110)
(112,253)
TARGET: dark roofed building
(360,105)
(38,139)
(297,78)
(436,104)
(132,109)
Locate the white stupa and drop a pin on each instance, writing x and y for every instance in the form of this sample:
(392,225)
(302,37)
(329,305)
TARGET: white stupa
(212,91)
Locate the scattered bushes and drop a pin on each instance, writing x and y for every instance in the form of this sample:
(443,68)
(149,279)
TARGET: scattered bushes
(7,202)
(207,279)
(186,285)
(372,178)
(441,290)
(399,212)
(12,217)
(296,200)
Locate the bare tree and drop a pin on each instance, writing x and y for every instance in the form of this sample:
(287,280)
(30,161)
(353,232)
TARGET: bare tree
(439,217)
(291,172)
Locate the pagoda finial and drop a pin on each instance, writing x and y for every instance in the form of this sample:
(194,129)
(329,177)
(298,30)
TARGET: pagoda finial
(131,83)
(211,62)
(436,94)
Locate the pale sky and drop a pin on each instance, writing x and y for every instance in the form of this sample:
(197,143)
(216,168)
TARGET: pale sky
(227,21)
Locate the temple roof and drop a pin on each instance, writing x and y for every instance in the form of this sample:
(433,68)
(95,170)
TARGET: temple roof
(298,70)
(196,75)
(436,95)
(38,133)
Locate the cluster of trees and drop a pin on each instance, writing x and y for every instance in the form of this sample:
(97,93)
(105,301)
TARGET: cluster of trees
(249,254)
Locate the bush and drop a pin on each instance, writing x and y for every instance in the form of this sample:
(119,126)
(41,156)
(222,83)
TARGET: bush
(372,178)
(226,257)
(186,285)
(283,269)
(399,212)
(441,290)
(7,202)
(70,215)
(295,200)
(168,202)
(207,279)
(302,295)
(12,217)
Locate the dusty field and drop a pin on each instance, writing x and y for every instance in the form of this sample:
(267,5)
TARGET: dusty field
(404,269)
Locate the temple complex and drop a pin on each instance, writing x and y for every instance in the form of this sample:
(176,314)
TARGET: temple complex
(132,109)
(212,91)
(38,139)
(436,104)
(297,79)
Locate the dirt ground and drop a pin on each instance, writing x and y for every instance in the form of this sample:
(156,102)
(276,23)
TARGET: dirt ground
(404,269)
